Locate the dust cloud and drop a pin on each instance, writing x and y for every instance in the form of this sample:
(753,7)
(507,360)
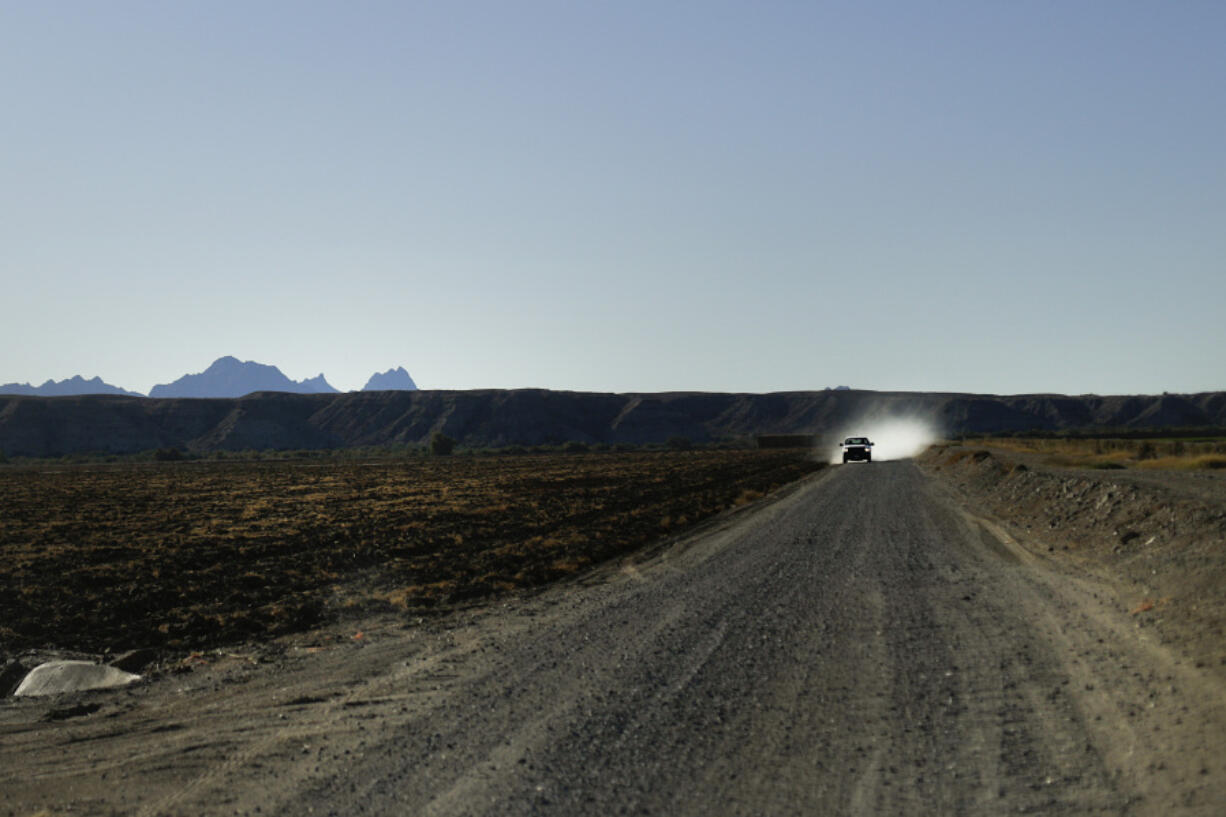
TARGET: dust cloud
(893,438)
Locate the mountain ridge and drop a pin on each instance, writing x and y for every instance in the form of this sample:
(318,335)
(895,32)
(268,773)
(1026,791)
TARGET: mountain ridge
(230,377)
(225,377)
(74,385)
(54,426)
(396,379)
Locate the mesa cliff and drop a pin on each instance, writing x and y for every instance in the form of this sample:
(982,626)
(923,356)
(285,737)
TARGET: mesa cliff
(56,426)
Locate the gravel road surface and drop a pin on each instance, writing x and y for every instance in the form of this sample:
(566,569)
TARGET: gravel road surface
(859,645)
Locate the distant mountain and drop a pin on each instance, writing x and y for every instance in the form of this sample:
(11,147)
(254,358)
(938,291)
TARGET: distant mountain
(392,380)
(231,377)
(316,385)
(66,388)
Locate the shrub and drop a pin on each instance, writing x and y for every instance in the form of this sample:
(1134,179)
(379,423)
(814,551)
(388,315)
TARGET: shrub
(168,455)
(575,447)
(679,443)
(441,445)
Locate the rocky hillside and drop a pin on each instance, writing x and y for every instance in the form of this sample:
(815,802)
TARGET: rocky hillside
(43,427)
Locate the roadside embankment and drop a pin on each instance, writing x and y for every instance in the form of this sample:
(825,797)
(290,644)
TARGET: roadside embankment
(1158,537)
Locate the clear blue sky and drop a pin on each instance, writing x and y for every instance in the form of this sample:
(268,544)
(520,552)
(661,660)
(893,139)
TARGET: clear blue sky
(618,196)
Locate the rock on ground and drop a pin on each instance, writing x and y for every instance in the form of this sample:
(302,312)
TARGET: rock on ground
(56,677)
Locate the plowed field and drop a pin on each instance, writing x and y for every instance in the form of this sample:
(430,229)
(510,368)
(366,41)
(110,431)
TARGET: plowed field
(197,554)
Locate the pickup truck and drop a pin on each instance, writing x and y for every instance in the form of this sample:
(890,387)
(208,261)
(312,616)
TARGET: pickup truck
(857,448)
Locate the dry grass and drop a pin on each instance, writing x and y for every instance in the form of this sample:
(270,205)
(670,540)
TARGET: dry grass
(1186,463)
(1150,454)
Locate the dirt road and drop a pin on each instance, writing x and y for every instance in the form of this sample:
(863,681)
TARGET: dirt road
(858,646)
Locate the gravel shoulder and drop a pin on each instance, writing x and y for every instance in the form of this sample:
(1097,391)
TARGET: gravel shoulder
(868,641)
(1157,538)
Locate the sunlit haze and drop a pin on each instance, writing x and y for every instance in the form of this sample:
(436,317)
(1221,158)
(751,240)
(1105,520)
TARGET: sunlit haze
(631,196)
(893,438)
